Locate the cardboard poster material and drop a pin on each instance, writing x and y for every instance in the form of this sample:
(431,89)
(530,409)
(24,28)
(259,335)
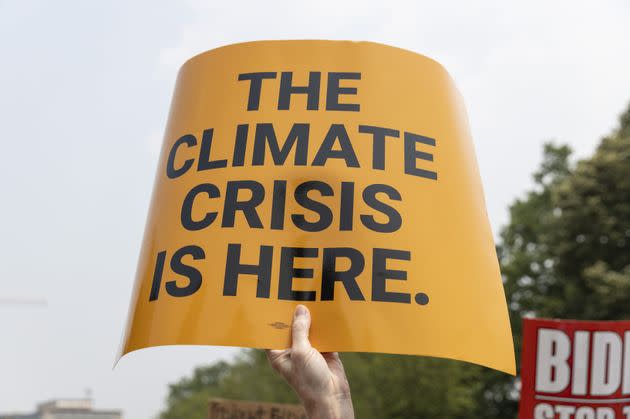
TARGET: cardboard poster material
(575,369)
(236,409)
(336,174)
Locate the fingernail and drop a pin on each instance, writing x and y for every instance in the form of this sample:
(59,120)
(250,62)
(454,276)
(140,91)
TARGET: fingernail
(300,311)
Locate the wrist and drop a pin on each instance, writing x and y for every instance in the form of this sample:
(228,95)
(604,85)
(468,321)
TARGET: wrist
(330,407)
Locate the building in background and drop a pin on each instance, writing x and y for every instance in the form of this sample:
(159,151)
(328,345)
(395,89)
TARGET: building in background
(66,409)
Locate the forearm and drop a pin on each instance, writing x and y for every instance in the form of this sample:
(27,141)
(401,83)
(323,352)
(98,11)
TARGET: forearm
(338,407)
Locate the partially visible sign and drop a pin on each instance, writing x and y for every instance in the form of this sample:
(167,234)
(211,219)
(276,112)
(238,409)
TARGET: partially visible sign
(575,369)
(236,409)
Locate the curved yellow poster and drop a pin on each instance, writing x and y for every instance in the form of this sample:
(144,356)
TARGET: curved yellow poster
(336,174)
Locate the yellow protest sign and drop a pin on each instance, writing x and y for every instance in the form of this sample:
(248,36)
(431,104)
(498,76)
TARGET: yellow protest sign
(336,174)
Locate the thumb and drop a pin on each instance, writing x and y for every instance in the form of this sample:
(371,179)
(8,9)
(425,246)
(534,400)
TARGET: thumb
(300,329)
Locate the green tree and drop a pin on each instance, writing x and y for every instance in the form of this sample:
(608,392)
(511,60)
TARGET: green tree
(398,386)
(565,251)
(565,254)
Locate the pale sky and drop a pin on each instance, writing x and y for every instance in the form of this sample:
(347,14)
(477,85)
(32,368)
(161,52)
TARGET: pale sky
(85,88)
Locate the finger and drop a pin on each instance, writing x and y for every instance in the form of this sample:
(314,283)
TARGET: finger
(273,354)
(336,367)
(331,355)
(300,328)
(334,362)
(279,360)
(332,358)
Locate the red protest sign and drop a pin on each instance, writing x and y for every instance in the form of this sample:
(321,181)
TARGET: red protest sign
(575,369)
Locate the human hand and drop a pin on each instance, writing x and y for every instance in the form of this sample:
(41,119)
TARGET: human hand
(318,378)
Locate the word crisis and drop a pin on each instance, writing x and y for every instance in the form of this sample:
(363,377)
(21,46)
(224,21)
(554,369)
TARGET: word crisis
(204,195)
(190,277)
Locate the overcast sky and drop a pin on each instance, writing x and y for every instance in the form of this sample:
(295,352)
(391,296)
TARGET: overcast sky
(84,93)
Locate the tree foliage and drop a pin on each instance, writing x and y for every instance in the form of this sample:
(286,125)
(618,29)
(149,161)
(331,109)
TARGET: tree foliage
(564,254)
(565,251)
